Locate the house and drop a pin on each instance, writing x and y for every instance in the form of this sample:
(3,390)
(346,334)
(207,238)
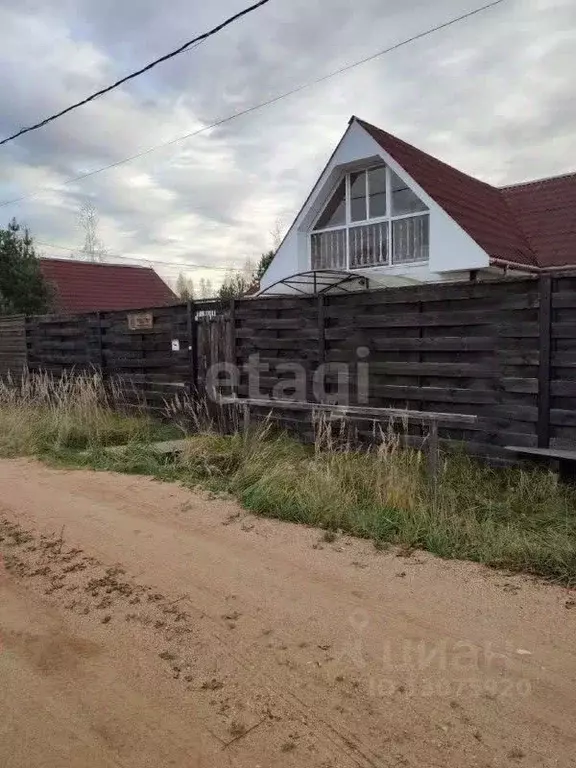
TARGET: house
(86,286)
(386,213)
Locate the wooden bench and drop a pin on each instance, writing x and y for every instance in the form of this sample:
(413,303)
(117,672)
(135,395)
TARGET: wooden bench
(431,418)
(564,459)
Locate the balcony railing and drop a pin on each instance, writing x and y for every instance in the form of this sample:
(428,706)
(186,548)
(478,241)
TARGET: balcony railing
(329,249)
(410,239)
(370,245)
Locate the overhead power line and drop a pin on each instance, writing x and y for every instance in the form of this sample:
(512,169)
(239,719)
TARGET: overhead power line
(266,103)
(151,262)
(191,43)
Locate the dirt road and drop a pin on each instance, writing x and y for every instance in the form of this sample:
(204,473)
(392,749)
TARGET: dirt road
(144,625)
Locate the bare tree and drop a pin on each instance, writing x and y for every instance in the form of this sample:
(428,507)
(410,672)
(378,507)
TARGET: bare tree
(93,248)
(205,291)
(185,287)
(248,270)
(266,258)
(276,234)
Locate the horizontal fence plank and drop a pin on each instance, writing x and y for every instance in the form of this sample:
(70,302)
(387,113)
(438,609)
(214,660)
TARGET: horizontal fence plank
(437,292)
(563,330)
(564,300)
(352,411)
(302,333)
(563,387)
(452,370)
(292,323)
(417,319)
(432,344)
(563,417)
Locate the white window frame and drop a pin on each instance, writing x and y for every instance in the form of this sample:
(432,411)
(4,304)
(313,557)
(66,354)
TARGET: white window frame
(349,224)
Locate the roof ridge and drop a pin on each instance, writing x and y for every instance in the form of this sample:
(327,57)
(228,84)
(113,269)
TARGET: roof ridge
(93,263)
(541,180)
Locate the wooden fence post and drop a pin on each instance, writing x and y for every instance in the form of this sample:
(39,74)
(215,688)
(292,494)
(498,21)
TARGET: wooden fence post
(192,347)
(545,323)
(433,451)
(321,341)
(232,341)
(26,348)
(99,347)
(246,418)
(420,353)
(321,330)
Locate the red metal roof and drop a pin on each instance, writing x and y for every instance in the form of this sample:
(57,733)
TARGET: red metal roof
(546,211)
(532,224)
(82,286)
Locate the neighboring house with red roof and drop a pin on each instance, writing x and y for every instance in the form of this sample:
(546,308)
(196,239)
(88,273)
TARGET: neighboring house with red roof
(87,286)
(389,212)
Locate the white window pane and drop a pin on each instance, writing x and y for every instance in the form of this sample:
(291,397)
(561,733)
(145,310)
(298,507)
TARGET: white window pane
(358,196)
(403,199)
(368,245)
(377,191)
(315,251)
(335,212)
(410,239)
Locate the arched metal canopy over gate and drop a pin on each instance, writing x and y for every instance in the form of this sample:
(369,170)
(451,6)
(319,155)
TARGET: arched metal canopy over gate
(316,282)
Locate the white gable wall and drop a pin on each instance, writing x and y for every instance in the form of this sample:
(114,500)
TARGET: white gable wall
(452,251)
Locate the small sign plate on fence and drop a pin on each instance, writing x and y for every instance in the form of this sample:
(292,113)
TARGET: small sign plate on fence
(138,321)
(175,345)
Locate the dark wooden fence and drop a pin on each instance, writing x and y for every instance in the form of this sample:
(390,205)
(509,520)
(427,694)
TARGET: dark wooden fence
(155,353)
(462,348)
(142,358)
(505,351)
(12,345)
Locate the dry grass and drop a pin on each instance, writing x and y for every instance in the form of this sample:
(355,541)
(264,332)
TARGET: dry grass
(40,412)
(197,413)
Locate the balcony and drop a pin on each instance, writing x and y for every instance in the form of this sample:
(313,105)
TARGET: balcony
(370,245)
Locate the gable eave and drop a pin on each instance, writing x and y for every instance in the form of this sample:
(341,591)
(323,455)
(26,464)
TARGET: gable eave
(311,196)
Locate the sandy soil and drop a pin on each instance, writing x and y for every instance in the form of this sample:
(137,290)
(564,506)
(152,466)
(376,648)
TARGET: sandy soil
(144,625)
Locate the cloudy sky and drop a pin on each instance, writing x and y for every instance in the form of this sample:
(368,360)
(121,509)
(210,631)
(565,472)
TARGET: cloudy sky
(493,95)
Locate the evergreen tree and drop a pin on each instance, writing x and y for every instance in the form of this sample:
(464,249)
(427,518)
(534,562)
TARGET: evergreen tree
(23,289)
(237,282)
(264,263)
(234,286)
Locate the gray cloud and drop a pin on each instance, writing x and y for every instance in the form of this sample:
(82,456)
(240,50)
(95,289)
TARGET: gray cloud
(492,95)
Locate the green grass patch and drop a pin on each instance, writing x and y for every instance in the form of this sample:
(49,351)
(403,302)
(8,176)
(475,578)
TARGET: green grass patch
(512,518)
(135,459)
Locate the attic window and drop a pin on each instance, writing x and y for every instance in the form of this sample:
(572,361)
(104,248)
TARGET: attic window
(404,201)
(372,215)
(334,214)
